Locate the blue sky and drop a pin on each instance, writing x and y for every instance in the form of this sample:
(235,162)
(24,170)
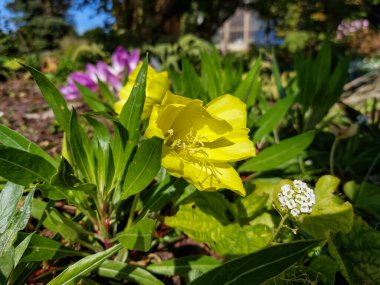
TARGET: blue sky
(84,19)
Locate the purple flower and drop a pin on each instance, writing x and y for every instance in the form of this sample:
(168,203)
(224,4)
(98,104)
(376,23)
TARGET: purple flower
(112,75)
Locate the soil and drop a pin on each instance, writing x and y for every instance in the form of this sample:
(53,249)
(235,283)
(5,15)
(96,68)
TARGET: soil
(23,109)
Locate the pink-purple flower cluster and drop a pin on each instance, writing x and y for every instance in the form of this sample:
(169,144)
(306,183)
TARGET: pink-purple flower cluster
(347,28)
(112,75)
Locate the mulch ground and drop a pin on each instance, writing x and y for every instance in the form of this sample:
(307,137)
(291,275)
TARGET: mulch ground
(23,109)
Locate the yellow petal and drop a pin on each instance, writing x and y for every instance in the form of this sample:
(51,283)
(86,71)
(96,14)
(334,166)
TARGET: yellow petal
(204,176)
(156,86)
(171,98)
(194,120)
(235,146)
(229,108)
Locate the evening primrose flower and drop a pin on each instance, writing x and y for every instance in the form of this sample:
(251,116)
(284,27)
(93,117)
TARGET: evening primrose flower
(296,198)
(199,141)
(157,83)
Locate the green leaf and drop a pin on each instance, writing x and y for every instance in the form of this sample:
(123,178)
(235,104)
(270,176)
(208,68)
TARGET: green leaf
(211,74)
(190,267)
(52,96)
(192,86)
(161,196)
(9,198)
(19,221)
(121,271)
(275,155)
(272,117)
(231,239)
(6,265)
(21,247)
(80,149)
(357,253)
(83,267)
(91,98)
(143,168)
(106,93)
(13,139)
(65,177)
(246,90)
(22,167)
(42,248)
(130,116)
(257,267)
(330,213)
(139,236)
(325,268)
(365,197)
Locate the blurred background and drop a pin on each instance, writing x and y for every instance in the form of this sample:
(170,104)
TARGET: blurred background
(60,36)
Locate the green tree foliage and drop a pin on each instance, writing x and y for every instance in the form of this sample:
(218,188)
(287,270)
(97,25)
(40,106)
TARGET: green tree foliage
(152,21)
(40,23)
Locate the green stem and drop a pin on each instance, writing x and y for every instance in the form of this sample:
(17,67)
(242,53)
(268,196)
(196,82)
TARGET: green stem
(278,229)
(332,154)
(132,212)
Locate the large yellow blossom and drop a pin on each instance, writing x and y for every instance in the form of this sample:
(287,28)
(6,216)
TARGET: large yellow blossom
(157,83)
(199,141)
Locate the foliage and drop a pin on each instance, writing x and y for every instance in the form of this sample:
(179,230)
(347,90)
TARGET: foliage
(140,186)
(40,23)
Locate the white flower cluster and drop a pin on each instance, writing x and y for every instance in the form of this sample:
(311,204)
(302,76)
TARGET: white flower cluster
(297,198)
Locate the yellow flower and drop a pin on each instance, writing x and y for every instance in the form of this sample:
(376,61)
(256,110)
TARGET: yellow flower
(199,141)
(157,83)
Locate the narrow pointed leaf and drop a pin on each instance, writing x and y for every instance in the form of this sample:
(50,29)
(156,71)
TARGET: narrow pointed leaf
(121,271)
(84,266)
(278,154)
(52,96)
(255,268)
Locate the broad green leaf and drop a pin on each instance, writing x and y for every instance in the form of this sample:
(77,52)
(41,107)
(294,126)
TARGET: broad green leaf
(232,239)
(257,267)
(52,96)
(143,168)
(19,221)
(246,91)
(190,267)
(330,213)
(275,155)
(84,266)
(41,248)
(272,117)
(22,167)
(325,268)
(357,253)
(365,198)
(139,236)
(121,271)
(13,139)
(91,98)
(130,116)
(9,198)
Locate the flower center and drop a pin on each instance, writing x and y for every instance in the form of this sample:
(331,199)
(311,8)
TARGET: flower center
(190,148)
